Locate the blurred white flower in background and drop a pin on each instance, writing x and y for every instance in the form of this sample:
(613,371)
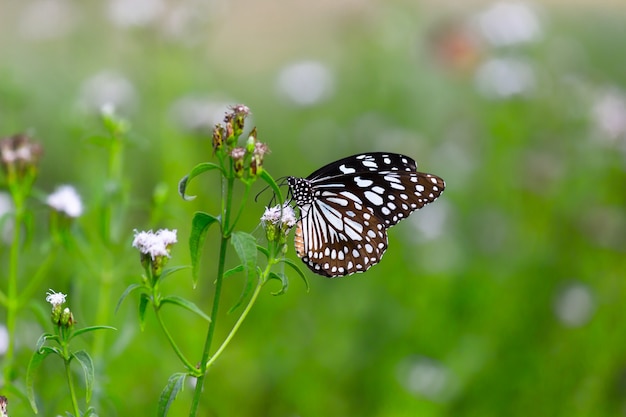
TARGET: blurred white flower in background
(508,23)
(574,304)
(429,223)
(6,219)
(125,13)
(306,83)
(107,88)
(47,19)
(66,200)
(199,114)
(427,377)
(502,78)
(609,114)
(4,339)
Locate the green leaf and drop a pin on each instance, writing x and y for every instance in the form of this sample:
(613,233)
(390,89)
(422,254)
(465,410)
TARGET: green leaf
(186,304)
(86,363)
(143,304)
(197,170)
(174,384)
(246,248)
(263,250)
(233,271)
(90,412)
(90,329)
(265,176)
(127,291)
(199,228)
(283,279)
(169,271)
(42,339)
(296,268)
(35,361)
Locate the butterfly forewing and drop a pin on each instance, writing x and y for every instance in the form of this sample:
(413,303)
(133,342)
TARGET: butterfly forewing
(346,207)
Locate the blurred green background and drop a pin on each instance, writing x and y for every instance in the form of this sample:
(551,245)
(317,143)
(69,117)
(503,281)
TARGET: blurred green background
(506,297)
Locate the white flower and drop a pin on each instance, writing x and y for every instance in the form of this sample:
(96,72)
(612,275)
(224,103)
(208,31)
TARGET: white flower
(154,244)
(509,23)
(66,200)
(107,88)
(273,215)
(609,114)
(306,83)
(55,298)
(502,78)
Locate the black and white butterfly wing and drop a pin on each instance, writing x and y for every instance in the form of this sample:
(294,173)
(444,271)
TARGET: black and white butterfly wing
(334,238)
(346,207)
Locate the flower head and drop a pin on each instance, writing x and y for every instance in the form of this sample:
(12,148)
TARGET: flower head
(19,156)
(55,298)
(66,200)
(277,222)
(155,244)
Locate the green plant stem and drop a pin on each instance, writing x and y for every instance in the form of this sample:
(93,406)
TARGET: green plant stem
(207,344)
(70,381)
(240,320)
(190,367)
(227,198)
(12,303)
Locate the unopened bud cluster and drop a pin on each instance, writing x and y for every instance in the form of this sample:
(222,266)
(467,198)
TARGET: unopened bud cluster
(247,159)
(19,158)
(60,316)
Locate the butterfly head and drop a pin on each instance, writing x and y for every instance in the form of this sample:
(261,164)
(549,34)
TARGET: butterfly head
(300,189)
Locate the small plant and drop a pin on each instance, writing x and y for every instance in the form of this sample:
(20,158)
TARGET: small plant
(238,165)
(63,333)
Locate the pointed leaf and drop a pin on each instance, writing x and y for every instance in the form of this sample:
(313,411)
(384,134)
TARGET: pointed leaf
(245,246)
(186,304)
(42,339)
(283,279)
(197,170)
(296,268)
(233,271)
(263,250)
(199,228)
(174,384)
(169,271)
(265,176)
(90,329)
(127,291)
(33,365)
(86,363)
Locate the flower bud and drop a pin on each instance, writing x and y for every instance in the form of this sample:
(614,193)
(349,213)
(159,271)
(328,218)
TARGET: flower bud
(67,318)
(238,155)
(218,138)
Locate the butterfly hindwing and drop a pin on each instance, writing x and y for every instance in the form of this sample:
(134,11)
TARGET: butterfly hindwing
(346,207)
(335,239)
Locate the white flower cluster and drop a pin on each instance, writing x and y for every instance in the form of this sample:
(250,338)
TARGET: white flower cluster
(55,298)
(66,200)
(275,215)
(154,244)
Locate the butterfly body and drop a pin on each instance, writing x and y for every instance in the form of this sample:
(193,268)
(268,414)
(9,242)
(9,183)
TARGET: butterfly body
(347,206)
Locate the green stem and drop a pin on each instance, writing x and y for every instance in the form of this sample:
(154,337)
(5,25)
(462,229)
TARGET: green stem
(70,383)
(211,331)
(12,303)
(190,367)
(227,198)
(240,320)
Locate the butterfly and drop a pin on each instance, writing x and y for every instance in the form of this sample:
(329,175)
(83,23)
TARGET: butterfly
(347,206)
